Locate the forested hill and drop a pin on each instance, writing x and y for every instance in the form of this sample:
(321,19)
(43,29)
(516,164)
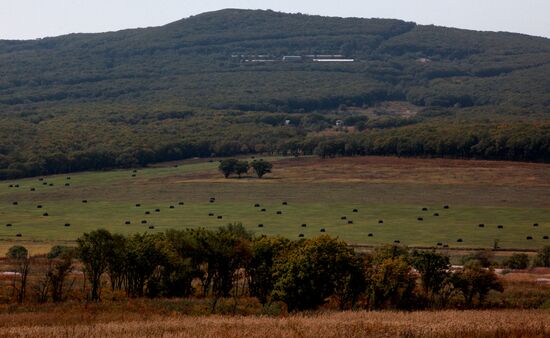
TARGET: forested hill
(216,84)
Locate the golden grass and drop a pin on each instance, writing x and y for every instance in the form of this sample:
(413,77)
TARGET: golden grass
(503,323)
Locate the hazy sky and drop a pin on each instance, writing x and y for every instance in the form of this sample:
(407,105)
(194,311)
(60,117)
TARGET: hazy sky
(27,19)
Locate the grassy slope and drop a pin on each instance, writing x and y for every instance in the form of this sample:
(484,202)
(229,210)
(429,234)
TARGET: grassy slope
(318,193)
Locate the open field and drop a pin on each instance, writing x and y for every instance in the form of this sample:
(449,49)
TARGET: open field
(91,322)
(319,193)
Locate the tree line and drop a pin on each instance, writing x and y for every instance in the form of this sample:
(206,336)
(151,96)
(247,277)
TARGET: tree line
(228,262)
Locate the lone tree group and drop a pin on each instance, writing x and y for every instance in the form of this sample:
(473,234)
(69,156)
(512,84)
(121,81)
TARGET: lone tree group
(234,166)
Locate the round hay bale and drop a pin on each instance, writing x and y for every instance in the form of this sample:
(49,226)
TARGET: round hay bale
(323,230)
(39,206)
(220,217)
(10,186)
(260,225)
(436,214)
(279,212)
(481,225)
(15,203)
(138,205)
(68,177)
(380,221)
(84,201)
(67,224)
(134,171)
(535,224)
(256,205)
(446,207)
(144,222)
(212,201)
(41,179)
(355,210)
(445,245)
(51,184)
(439,244)
(67,184)
(127,222)
(343,218)
(9,225)
(181,203)
(151,227)
(285,203)
(263,210)
(157,210)
(33,189)
(304,225)
(133,175)
(500,227)
(370,235)
(45,214)
(45,183)
(350,222)
(211,214)
(171,207)
(459,240)
(18,235)
(147,213)
(17,185)
(545,237)
(397,241)
(424,209)
(301,235)
(420,219)
(529,238)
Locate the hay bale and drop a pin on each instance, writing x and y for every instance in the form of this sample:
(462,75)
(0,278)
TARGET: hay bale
(544,237)
(138,205)
(380,221)
(350,222)
(45,183)
(41,179)
(9,225)
(220,217)
(529,237)
(67,224)
(181,203)
(397,241)
(535,224)
(51,184)
(171,207)
(134,171)
(211,214)
(10,186)
(151,227)
(133,175)
(157,210)
(127,222)
(45,214)
(84,201)
(212,201)
(263,210)
(500,227)
(436,214)
(17,185)
(33,189)
(304,225)
(445,245)
(147,213)
(343,218)
(439,244)
(285,203)
(301,235)
(481,225)
(420,219)
(67,184)
(279,212)
(39,206)
(18,235)
(424,209)
(323,230)
(15,203)
(260,225)
(68,177)
(256,205)
(459,240)
(370,235)
(446,207)
(144,222)
(355,210)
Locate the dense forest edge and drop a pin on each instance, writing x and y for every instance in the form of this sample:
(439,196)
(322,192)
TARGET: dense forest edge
(218,84)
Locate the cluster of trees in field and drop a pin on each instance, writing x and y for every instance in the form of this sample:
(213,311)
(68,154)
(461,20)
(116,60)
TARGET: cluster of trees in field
(233,166)
(229,262)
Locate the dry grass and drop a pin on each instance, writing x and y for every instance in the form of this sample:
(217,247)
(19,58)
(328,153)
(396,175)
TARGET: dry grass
(505,323)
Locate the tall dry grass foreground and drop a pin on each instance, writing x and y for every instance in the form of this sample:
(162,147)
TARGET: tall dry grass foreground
(502,323)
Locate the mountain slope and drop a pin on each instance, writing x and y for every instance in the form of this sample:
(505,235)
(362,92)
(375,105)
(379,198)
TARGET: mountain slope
(91,101)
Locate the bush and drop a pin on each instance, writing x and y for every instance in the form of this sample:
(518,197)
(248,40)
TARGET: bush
(517,261)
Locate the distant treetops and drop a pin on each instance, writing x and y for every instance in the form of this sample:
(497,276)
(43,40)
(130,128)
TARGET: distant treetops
(233,166)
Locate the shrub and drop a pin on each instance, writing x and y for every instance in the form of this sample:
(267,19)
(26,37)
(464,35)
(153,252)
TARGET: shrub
(517,261)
